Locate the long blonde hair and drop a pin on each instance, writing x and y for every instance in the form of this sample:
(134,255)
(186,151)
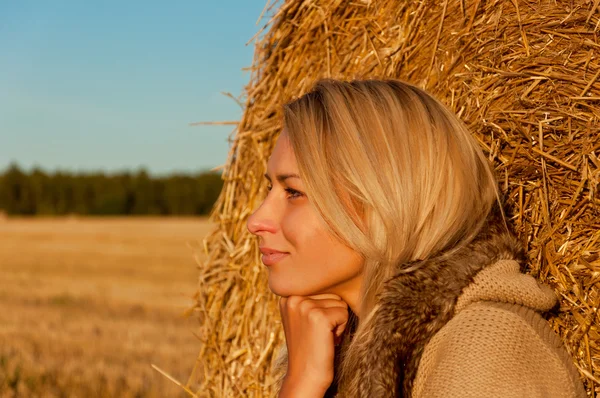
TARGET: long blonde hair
(393,172)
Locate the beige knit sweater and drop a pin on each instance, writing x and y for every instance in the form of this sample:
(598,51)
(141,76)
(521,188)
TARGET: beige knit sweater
(497,344)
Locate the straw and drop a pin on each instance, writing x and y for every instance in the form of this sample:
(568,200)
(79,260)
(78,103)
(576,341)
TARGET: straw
(523,77)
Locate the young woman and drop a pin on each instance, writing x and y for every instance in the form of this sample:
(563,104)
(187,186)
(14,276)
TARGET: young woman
(384,236)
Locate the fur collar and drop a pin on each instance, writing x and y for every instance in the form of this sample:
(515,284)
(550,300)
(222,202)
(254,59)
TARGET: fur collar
(414,306)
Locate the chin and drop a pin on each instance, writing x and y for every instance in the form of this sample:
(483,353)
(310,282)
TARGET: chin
(285,289)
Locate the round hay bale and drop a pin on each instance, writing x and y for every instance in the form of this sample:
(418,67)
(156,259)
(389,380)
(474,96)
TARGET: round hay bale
(523,75)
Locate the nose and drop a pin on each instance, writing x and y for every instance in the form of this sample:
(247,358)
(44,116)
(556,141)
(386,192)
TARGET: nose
(262,220)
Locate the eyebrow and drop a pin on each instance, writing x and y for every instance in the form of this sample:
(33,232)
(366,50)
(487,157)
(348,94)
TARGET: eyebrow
(282,177)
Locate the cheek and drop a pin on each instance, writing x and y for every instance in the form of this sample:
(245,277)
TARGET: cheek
(318,261)
(302,229)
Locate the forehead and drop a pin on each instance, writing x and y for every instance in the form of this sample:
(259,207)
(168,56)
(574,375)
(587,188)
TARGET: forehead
(282,158)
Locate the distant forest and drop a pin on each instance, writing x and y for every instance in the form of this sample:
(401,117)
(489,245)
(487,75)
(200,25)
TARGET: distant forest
(126,193)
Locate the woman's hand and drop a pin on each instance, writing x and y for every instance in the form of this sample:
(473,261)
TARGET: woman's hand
(311,325)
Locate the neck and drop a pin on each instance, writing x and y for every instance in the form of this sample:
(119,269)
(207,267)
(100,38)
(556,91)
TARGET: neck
(349,291)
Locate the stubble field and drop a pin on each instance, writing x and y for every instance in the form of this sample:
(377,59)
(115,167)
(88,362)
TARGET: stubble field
(88,304)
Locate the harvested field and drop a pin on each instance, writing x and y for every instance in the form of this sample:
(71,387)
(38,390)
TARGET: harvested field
(87,305)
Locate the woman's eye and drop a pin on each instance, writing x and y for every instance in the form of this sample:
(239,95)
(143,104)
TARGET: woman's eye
(293,193)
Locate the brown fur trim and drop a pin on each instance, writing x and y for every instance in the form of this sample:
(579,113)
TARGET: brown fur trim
(414,306)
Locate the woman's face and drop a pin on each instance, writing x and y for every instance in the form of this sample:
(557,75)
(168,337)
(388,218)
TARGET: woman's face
(314,261)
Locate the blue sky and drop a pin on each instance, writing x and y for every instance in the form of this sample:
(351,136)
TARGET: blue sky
(112,85)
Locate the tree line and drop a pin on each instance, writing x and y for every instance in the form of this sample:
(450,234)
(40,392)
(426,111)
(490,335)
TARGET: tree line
(125,193)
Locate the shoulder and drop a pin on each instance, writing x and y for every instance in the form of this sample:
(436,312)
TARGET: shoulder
(491,349)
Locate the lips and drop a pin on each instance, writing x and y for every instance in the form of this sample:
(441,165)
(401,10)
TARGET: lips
(272,256)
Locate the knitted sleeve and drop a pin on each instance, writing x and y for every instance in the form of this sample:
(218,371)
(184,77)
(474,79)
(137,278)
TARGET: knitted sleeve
(496,350)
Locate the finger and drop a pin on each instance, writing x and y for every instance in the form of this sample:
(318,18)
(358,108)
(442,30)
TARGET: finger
(325,296)
(337,317)
(324,303)
(282,304)
(290,302)
(340,328)
(308,307)
(303,304)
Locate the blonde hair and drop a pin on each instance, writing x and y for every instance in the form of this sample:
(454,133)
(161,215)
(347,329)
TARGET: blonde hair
(395,174)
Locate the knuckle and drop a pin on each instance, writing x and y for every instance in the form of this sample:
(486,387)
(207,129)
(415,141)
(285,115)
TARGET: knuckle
(293,302)
(305,307)
(316,316)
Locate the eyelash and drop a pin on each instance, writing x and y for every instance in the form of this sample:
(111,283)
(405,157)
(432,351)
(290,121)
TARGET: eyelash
(293,192)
